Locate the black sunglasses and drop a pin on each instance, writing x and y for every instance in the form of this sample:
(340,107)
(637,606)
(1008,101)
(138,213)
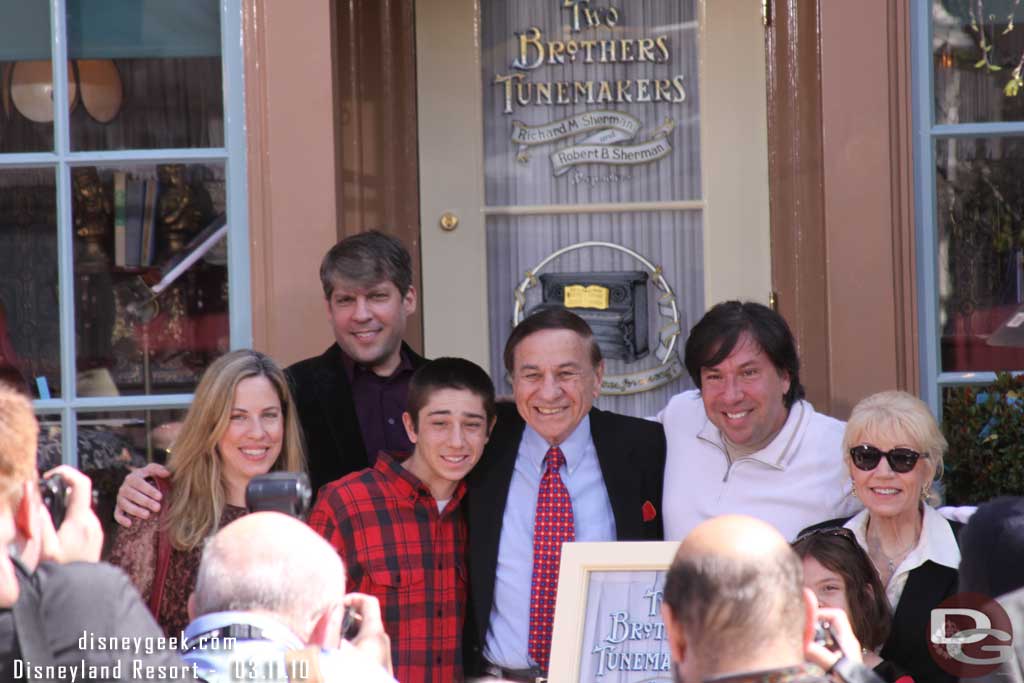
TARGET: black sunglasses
(840,531)
(901,460)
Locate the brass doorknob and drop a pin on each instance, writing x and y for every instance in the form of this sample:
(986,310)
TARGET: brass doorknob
(449,221)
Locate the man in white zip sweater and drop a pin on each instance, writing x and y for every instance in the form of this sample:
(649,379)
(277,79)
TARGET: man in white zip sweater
(745,441)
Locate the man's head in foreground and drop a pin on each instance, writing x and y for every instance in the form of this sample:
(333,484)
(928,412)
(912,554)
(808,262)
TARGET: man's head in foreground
(734,600)
(271,564)
(19,434)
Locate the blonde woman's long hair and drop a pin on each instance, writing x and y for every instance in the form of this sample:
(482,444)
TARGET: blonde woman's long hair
(198,492)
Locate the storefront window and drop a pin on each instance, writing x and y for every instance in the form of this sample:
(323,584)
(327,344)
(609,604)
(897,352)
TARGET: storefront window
(115,286)
(969,119)
(976,48)
(29,292)
(981,253)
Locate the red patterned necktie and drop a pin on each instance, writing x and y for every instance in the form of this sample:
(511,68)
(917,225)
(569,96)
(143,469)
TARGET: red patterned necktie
(552,526)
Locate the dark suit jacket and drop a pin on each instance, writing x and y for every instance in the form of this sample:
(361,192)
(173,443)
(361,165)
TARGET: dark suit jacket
(927,586)
(327,412)
(60,602)
(631,453)
(1012,670)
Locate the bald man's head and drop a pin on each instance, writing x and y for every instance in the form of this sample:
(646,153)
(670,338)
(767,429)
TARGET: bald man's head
(270,563)
(735,589)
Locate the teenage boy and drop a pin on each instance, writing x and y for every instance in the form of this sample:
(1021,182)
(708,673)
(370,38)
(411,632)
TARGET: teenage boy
(398,527)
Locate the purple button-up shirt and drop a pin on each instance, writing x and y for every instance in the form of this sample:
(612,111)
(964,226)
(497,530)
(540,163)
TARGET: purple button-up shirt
(380,402)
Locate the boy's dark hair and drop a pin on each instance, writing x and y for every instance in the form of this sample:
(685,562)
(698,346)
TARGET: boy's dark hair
(715,336)
(555,318)
(448,373)
(366,259)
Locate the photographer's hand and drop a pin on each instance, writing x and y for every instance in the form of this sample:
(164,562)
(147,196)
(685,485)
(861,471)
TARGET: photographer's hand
(371,640)
(137,497)
(80,537)
(849,646)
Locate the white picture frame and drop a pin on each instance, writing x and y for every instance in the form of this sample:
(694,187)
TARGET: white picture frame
(586,637)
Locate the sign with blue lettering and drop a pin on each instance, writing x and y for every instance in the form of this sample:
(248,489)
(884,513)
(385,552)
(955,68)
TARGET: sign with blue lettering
(608,626)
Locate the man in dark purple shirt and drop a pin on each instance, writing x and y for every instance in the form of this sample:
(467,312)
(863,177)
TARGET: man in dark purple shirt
(380,402)
(350,399)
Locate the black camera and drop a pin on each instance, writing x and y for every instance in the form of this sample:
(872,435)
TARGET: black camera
(823,635)
(351,623)
(287,492)
(54,492)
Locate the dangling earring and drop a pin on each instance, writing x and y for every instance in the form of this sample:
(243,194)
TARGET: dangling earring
(853,488)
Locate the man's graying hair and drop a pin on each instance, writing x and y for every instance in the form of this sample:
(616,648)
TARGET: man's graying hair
(315,582)
(730,606)
(367,258)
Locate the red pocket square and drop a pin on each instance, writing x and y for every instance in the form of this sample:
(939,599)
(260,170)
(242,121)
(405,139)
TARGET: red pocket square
(648,510)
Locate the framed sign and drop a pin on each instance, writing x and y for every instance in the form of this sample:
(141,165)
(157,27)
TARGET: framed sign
(590,102)
(608,625)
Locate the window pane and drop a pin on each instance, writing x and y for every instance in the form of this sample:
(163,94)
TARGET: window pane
(148,73)
(29,314)
(109,444)
(976,47)
(981,253)
(26,77)
(151,297)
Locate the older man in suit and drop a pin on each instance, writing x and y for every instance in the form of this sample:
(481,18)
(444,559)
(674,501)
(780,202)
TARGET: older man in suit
(556,469)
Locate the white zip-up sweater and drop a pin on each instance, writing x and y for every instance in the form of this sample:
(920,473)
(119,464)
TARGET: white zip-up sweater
(797,480)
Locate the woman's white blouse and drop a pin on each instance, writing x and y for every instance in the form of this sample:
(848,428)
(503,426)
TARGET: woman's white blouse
(937,543)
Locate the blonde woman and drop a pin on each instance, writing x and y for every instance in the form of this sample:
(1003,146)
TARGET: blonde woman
(893,450)
(241,424)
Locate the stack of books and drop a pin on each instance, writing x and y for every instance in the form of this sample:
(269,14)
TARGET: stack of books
(135,216)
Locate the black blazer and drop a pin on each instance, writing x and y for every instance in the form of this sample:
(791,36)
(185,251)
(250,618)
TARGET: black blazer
(59,602)
(631,453)
(327,413)
(927,586)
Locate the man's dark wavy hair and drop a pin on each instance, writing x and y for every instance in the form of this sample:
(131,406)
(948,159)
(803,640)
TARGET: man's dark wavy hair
(715,336)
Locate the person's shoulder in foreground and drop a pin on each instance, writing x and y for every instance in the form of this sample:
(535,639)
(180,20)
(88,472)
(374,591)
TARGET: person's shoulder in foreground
(88,609)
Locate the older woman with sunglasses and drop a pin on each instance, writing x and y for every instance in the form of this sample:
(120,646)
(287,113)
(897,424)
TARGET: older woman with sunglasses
(893,449)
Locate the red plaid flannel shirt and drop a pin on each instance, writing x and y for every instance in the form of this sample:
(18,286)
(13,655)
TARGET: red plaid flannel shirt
(397,547)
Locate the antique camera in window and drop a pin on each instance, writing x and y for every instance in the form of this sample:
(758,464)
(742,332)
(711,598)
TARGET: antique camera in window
(614,304)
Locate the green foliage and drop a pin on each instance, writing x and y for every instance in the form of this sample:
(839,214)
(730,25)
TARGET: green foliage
(985,430)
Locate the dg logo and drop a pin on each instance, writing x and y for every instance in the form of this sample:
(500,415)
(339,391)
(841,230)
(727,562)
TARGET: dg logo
(970,635)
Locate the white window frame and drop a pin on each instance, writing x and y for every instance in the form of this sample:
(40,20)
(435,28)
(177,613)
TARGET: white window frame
(232,155)
(926,135)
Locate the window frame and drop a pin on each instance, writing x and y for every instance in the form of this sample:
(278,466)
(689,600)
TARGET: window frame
(233,156)
(927,133)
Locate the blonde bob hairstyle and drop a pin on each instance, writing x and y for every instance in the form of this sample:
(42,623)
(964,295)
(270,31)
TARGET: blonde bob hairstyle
(903,418)
(198,492)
